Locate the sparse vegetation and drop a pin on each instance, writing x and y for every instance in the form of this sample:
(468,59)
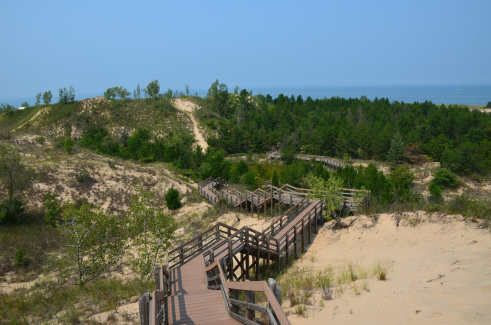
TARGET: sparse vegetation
(382,268)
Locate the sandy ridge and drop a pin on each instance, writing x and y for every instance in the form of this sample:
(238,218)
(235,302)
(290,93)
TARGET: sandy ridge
(188,106)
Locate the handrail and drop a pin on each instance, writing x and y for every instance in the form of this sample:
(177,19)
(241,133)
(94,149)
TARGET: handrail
(255,286)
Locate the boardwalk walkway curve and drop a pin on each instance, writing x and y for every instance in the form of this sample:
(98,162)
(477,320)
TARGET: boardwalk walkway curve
(201,279)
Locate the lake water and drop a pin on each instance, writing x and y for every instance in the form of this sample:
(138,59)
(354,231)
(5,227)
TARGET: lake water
(467,95)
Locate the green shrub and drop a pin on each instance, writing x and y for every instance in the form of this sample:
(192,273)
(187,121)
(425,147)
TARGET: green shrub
(10,211)
(435,192)
(172,199)
(53,209)
(21,259)
(68,144)
(445,178)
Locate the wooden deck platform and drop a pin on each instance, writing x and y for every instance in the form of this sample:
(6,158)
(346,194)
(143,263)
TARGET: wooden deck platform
(191,302)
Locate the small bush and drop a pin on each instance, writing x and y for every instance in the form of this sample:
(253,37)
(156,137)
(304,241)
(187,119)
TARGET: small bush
(445,178)
(172,199)
(10,212)
(68,144)
(53,209)
(21,259)
(40,140)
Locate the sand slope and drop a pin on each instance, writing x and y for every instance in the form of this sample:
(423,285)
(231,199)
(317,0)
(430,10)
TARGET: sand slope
(441,272)
(188,107)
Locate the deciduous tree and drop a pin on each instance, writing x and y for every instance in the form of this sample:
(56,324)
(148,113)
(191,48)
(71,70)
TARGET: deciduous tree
(152,90)
(94,242)
(47,96)
(151,231)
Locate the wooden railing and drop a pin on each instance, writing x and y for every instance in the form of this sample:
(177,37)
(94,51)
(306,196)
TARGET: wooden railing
(217,279)
(332,163)
(199,243)
(153,306)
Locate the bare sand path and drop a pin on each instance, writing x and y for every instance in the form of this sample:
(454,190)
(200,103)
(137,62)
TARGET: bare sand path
(441,272)
(188,107)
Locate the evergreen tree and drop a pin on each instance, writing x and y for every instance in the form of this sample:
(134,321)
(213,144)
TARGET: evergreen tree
(172,199)
(396,151)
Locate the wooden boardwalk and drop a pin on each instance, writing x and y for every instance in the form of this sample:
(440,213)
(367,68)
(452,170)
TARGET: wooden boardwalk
(190,301)
(198,283)
(328,162)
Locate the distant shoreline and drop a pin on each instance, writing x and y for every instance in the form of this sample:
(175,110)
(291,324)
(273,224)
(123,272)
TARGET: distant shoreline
(448,95)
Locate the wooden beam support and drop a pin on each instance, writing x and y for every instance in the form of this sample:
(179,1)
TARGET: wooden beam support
(295,241)
(303,236)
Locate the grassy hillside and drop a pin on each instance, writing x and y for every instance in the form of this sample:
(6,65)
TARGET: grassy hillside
(58,120)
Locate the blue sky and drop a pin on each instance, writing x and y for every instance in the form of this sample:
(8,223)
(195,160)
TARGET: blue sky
(93,45)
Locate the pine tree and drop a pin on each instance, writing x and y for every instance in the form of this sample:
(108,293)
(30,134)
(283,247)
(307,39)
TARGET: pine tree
(396,151)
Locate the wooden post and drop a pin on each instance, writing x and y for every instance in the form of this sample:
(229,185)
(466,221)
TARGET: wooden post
(278,252)
(310,229)
(252,205)
(181,254)
(271,198)
(200,242)
(295,241)
(287,248)
(264,201)
(316,220)
(291,200)
(234,294)
(269,253)
(245,202)
(303,235)
(231,260)
(257,257)
(279,200)
(251,298)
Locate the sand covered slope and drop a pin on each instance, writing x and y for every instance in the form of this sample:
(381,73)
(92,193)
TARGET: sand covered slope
(440,274)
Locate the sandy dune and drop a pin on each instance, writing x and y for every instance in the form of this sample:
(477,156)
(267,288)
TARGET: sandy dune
(441,272)
(188,107)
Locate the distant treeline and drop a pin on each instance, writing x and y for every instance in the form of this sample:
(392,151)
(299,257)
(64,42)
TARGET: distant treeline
(359,128)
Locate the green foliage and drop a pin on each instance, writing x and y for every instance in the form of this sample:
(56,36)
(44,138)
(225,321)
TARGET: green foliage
(364,129)
(68,144)
(7,109)
(466,159)
(250,180)
(38,99)
(435,191)
(152,90)
(218,97)
(402,180)
(396,151)
(53,209)
(10,211)
(445,178)
(113,92)
(21,259)
(47,96)
(14,178)
(172,199)
(66,96)
(151,231)
(95,242)
(328,191)
(274,179)
(137,92)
